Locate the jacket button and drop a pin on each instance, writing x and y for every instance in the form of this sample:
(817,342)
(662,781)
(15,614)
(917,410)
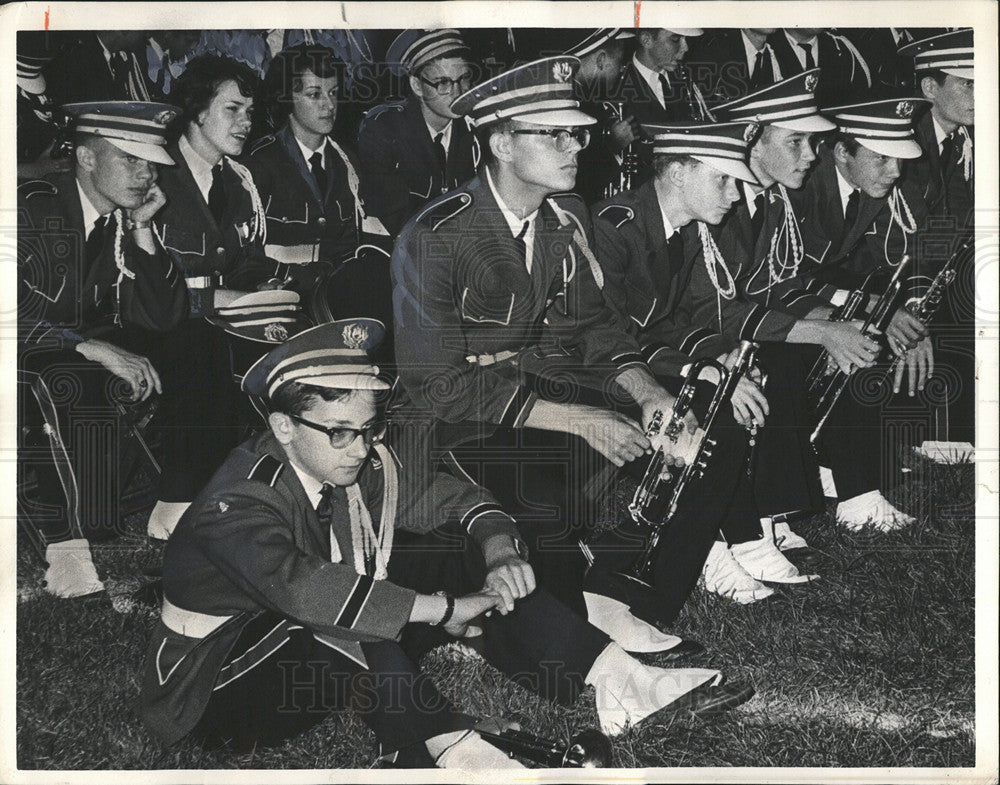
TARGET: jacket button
(220,251)
(321,221)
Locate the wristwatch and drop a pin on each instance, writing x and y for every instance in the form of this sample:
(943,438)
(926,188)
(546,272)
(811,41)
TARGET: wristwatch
(521,548)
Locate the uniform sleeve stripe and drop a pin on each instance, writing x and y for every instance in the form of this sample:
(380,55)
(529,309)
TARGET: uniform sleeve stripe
(523,412)
(753,322)
(355,601)
(517,402)
(480,509)
(627,358)
(694,338)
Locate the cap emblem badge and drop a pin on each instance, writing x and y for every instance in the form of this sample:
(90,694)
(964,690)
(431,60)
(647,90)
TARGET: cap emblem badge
(750,131)
(355,335)
(562,71)
(810,83)
(276,332)
(904,108)
(165,117)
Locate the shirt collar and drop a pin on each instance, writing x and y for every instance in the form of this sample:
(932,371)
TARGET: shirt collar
(201,169)
(310,484)
(90,213)
(668,228)
(940,134)
(751,50)
(446,131)
(845,189)
(514,223)
(307,153)
(797,45)
(750,193)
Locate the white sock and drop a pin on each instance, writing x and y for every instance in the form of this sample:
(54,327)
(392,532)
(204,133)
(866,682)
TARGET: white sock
(616,620)
(164,518)
(628,691)
(468,750)
(71,571)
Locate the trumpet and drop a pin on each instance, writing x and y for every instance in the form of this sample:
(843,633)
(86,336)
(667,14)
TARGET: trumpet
(826,382)
(655,501)
(927,305)
(589,749)
(628,167)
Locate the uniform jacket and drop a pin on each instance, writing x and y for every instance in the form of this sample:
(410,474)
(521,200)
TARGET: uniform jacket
(252,542)
(892,75)
(718,63)
(842,256)
(844,75)
(398,166)
(82,73)
(297,213)
(462,293)
(599,164)
(946,192)
(675,314)
(65,298)
(643,104)
(200,246)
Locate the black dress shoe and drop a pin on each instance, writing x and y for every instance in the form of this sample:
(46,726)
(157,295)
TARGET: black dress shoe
(706,700)
(682,651)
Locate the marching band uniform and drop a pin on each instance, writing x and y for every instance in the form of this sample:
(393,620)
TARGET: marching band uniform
(846,75)
(728,65)
(399,158)
(86,280)
(270,565)
(202,403)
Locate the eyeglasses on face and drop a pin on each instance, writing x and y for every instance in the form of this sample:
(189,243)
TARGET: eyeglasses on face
(560,136)
(444,85)
(373,433)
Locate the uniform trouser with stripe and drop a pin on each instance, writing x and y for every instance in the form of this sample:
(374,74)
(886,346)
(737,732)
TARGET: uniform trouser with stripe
(555,485)
(541,645)
(69,434)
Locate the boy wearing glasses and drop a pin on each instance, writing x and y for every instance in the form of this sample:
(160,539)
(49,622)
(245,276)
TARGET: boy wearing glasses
(511,364)
(310,573)
(412,151)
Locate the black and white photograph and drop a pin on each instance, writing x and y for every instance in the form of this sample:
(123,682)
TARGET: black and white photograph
(405,397)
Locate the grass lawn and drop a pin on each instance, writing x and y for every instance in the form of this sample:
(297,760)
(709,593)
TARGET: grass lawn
(870,666)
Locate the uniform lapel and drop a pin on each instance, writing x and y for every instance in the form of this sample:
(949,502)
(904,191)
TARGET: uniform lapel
(287,139)
(186,180)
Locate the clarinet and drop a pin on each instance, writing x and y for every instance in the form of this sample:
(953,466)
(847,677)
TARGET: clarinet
(825,386)
(628,169)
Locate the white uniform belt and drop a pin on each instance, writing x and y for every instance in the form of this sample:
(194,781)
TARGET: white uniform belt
(201,281)
(190,623)
(293,254)
(490,359)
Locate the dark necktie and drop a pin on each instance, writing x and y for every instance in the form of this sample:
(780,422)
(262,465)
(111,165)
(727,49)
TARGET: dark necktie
(760,210)
(316,164)
(217,195)
(951,150)
(675,254)
(521,243)
(120,73)
(851,211)
(442,159)
(95,240)
(763,70)
(324,510)
(810,62)
(665,87)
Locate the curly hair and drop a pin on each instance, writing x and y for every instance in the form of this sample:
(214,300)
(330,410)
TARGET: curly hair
(200,83)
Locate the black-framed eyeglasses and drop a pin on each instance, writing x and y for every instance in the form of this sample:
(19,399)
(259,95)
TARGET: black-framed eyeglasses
(560,136)
(340,437)
(444,85)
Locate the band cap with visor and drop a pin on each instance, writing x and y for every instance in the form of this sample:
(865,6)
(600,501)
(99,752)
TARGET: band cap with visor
(138,128)
(884,127)
(720,145)
(790,103)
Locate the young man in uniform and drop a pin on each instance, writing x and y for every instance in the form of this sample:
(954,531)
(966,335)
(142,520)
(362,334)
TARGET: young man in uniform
(946,176)
(513,367)
(304,577)
(96,291)
(595,86)
(653,244)
(412,151)
(213,225)
(765,223)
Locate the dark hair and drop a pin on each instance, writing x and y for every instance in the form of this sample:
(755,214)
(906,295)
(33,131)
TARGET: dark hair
(200,82)
(851,144)
(297,398)
(662,161)
(284,76)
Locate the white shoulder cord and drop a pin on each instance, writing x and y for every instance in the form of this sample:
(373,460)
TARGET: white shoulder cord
(966,158)
(899,211)
(123,271)
(713,261)
(363,539)
(259,223)
(789,239)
